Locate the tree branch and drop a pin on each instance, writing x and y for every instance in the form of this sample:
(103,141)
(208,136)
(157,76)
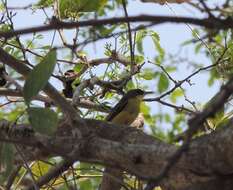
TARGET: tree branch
(142,155)
(21,68)
(57,24)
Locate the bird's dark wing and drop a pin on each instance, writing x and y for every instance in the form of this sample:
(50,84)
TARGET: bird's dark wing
(117,108)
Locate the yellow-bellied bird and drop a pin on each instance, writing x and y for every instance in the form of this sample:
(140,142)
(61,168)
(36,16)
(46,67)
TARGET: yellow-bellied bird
(124,113)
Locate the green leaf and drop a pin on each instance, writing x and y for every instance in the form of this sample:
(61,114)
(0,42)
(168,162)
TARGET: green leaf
(155,36)
(148,74)
(197,48)
(178,121)
(139,40)
(160,50)
(43,120)
(139,58)
(187,42)
(104,30)
(167,118)
(72,8)
(85,184)
(15,113)
(145,109)
(170,69)
(176,94)
(213,77)
(44,3)
(78,67)
(6,160)
(39,76)
(163,83)
(131,85)
(39,168)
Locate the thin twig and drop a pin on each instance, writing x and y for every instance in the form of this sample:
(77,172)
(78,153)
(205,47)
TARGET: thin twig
(206,9)
(130,36)
(177,108)
(164,70)
(194,124)
(187,79)
(12,177)
(52,173)
(27,167)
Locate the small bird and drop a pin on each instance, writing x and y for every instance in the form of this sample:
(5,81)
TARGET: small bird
(68,79)
(128,108)
(2,72)
(124,112)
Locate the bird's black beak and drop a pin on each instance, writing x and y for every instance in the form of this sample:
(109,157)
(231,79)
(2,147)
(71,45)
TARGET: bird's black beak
(148,92)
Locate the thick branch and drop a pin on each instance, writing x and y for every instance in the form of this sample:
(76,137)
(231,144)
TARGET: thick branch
(142,155)
(83,103)
(56,24)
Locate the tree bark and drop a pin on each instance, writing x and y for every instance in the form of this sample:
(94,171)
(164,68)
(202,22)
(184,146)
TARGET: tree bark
(209,158)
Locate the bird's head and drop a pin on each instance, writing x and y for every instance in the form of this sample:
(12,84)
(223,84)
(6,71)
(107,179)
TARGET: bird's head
(138,93)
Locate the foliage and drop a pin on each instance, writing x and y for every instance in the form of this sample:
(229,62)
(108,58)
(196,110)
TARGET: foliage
(154,68)
(39,76)
(39,123)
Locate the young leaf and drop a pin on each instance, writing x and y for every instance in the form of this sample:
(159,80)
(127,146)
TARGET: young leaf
(139,40)
(44,3)
(85,184)
(78,67)
(72,8)
(160,50)
(43,120)
(163,83)
(176,94)
(39,76)
(148,74)
(145,109)
(39,168)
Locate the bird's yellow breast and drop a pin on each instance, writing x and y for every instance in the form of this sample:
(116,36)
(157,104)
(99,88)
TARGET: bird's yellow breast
(129,113)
